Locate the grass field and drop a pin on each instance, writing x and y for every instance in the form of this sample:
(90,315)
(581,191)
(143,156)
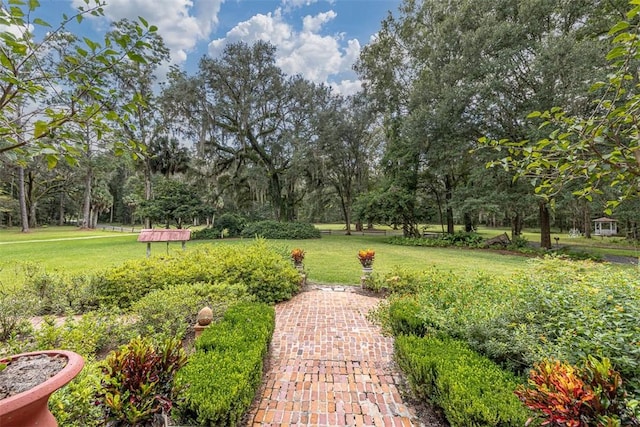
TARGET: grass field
(331,259)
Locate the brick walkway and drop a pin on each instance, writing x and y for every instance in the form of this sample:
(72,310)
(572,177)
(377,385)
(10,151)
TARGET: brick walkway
(330,366)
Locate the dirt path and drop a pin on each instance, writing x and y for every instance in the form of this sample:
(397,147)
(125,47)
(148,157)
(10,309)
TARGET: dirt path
(329,366)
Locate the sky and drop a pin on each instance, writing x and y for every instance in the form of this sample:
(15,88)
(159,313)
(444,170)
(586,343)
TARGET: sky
(319,39)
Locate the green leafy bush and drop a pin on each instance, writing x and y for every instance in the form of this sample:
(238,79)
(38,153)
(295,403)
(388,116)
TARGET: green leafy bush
(267,274)
(223,375)
(208,233)
(459,239)
(138,381)
(281,230)
(94,332)
(231,225)
(172,311)
(15,308)
(74,404)
(405,318)
(60,294)
(560,309)
(471,390)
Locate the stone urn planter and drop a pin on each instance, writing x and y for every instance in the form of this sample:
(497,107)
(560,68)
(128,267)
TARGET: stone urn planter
(26,382)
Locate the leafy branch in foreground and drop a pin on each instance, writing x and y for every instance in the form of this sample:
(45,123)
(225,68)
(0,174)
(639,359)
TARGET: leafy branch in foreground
(589,151)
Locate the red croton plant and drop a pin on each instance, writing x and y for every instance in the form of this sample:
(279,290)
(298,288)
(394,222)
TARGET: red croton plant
(569,396)
(366,257)
(297,255)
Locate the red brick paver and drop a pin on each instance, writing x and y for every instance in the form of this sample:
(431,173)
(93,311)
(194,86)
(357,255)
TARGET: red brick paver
(330,366)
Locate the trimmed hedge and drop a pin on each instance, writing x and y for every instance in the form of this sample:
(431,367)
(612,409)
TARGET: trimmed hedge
(266,273)
(281,230)
(223,375)
(471,390)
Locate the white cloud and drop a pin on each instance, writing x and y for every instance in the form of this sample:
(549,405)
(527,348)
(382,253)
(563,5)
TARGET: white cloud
(297,3)
(313,24)
(347,87)
(181,23)
(315,56)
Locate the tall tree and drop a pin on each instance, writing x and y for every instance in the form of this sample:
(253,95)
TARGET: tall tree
(346,149)
(39,63)
(136,108)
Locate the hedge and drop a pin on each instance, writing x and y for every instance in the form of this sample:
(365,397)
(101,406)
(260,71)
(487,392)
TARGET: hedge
(471,390)
(281,230)
(223,375)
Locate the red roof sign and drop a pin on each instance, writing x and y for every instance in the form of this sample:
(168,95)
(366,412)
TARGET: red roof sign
(164,235)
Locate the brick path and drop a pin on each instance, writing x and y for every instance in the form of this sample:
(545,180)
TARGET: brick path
(330,366)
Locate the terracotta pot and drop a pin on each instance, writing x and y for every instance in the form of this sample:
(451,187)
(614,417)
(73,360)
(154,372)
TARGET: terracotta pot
(29,408)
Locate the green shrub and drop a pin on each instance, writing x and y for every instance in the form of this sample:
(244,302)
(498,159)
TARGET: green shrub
(16,306)
(471,390)
(208,233)
(222,377)
(405,318)
(560,309)
(74,405)
(459,239)
(171,312)
(267,274)
(92,333)
(60,293)
(281,230)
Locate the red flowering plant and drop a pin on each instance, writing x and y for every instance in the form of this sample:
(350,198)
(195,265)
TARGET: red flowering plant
(366,257)
(297,255)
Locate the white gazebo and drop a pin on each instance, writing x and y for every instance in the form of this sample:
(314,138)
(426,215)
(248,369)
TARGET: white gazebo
(605,227)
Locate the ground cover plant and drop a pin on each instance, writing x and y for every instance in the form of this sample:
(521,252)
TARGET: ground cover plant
(563,310)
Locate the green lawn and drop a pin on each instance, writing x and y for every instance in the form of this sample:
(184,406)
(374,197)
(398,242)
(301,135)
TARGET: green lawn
(331,259)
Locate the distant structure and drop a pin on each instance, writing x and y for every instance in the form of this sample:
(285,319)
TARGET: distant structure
(149,236)
(605,227)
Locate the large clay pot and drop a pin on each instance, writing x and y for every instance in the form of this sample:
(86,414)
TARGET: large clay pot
(29,408)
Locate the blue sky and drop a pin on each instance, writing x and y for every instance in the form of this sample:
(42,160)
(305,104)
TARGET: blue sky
(319,39)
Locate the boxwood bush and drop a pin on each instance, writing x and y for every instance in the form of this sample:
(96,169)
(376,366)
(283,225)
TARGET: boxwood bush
(267,274)
(471,390)
(223,375)
(281,230)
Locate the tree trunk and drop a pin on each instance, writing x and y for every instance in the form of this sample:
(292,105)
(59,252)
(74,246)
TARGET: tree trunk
(346,214)
(86,200)
(147,188)
(468,223)
(545,225)
(586,214)
(61,209)
(448,197)
(24,215)
(516,225)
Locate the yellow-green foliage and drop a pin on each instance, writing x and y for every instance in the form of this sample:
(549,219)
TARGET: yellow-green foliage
(266,274)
